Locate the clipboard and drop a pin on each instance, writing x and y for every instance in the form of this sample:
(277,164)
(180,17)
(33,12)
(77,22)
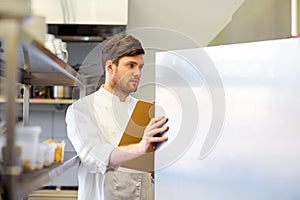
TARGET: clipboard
(142,113)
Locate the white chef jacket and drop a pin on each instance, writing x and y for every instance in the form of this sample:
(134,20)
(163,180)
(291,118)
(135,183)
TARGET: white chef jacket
(95,125)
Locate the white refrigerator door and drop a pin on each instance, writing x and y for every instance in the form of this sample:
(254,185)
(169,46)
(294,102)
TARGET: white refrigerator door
(234,118)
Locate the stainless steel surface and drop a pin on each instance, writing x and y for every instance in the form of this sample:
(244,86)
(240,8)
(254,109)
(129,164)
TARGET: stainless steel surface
(257,153)
(82,91)
(15,185)
(10,33)
(71,12)
(43,101)
(82,38)
(32,181)
(26,105)
(26,94)
(62,92)
(44,61)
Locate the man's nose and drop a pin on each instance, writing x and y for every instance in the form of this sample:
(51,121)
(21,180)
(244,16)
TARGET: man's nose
(138,72)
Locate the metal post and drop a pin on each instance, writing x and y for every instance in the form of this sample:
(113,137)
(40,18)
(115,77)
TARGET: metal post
(26,95)
(82,90)
(10,31)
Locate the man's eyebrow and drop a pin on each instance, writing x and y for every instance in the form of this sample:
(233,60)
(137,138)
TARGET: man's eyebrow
(133,62)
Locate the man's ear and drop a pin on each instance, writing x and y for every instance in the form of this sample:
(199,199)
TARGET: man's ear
(109,66)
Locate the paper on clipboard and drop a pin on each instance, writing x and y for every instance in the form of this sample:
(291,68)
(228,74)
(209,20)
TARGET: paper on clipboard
(140,118)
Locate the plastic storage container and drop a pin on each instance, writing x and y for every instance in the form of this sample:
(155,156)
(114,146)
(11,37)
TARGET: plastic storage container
(27,137)
(41,155)
(49,154)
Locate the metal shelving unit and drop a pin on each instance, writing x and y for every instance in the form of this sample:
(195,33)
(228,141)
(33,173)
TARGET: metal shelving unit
(24,184)
(41,68)
(43,101)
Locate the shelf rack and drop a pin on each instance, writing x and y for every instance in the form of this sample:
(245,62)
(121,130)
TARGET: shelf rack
(28,182)
(41,68)
(43,101)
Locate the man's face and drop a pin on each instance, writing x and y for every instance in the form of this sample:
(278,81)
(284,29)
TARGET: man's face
(128,73)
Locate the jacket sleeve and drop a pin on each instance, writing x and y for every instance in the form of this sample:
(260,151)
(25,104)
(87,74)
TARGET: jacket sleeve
(91,146)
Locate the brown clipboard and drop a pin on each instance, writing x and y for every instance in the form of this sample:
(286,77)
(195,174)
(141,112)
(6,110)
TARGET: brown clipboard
(140,118)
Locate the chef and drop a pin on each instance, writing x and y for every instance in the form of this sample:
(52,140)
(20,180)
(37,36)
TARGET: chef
(96,123)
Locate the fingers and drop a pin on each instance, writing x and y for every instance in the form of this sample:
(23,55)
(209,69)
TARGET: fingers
(159,130)
(155,139)
(158,139)
(156,126)
(155,120)
(158,122)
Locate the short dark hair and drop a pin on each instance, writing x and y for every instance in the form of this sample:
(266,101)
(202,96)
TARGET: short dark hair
(119,46)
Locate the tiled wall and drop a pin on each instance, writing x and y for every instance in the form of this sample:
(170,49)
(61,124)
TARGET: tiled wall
(52,120)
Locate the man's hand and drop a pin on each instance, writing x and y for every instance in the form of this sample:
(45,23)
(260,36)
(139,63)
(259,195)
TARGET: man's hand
(155,127)
(129,152)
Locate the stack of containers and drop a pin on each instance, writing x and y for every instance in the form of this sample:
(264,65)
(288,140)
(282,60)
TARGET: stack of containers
(35,155)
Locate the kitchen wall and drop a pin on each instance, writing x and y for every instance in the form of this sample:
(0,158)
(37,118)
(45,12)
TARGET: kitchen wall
(176,24)
(257,20)
(200,20)
(267,19)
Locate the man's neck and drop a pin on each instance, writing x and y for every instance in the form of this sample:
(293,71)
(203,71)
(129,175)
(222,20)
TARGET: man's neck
(122,96)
